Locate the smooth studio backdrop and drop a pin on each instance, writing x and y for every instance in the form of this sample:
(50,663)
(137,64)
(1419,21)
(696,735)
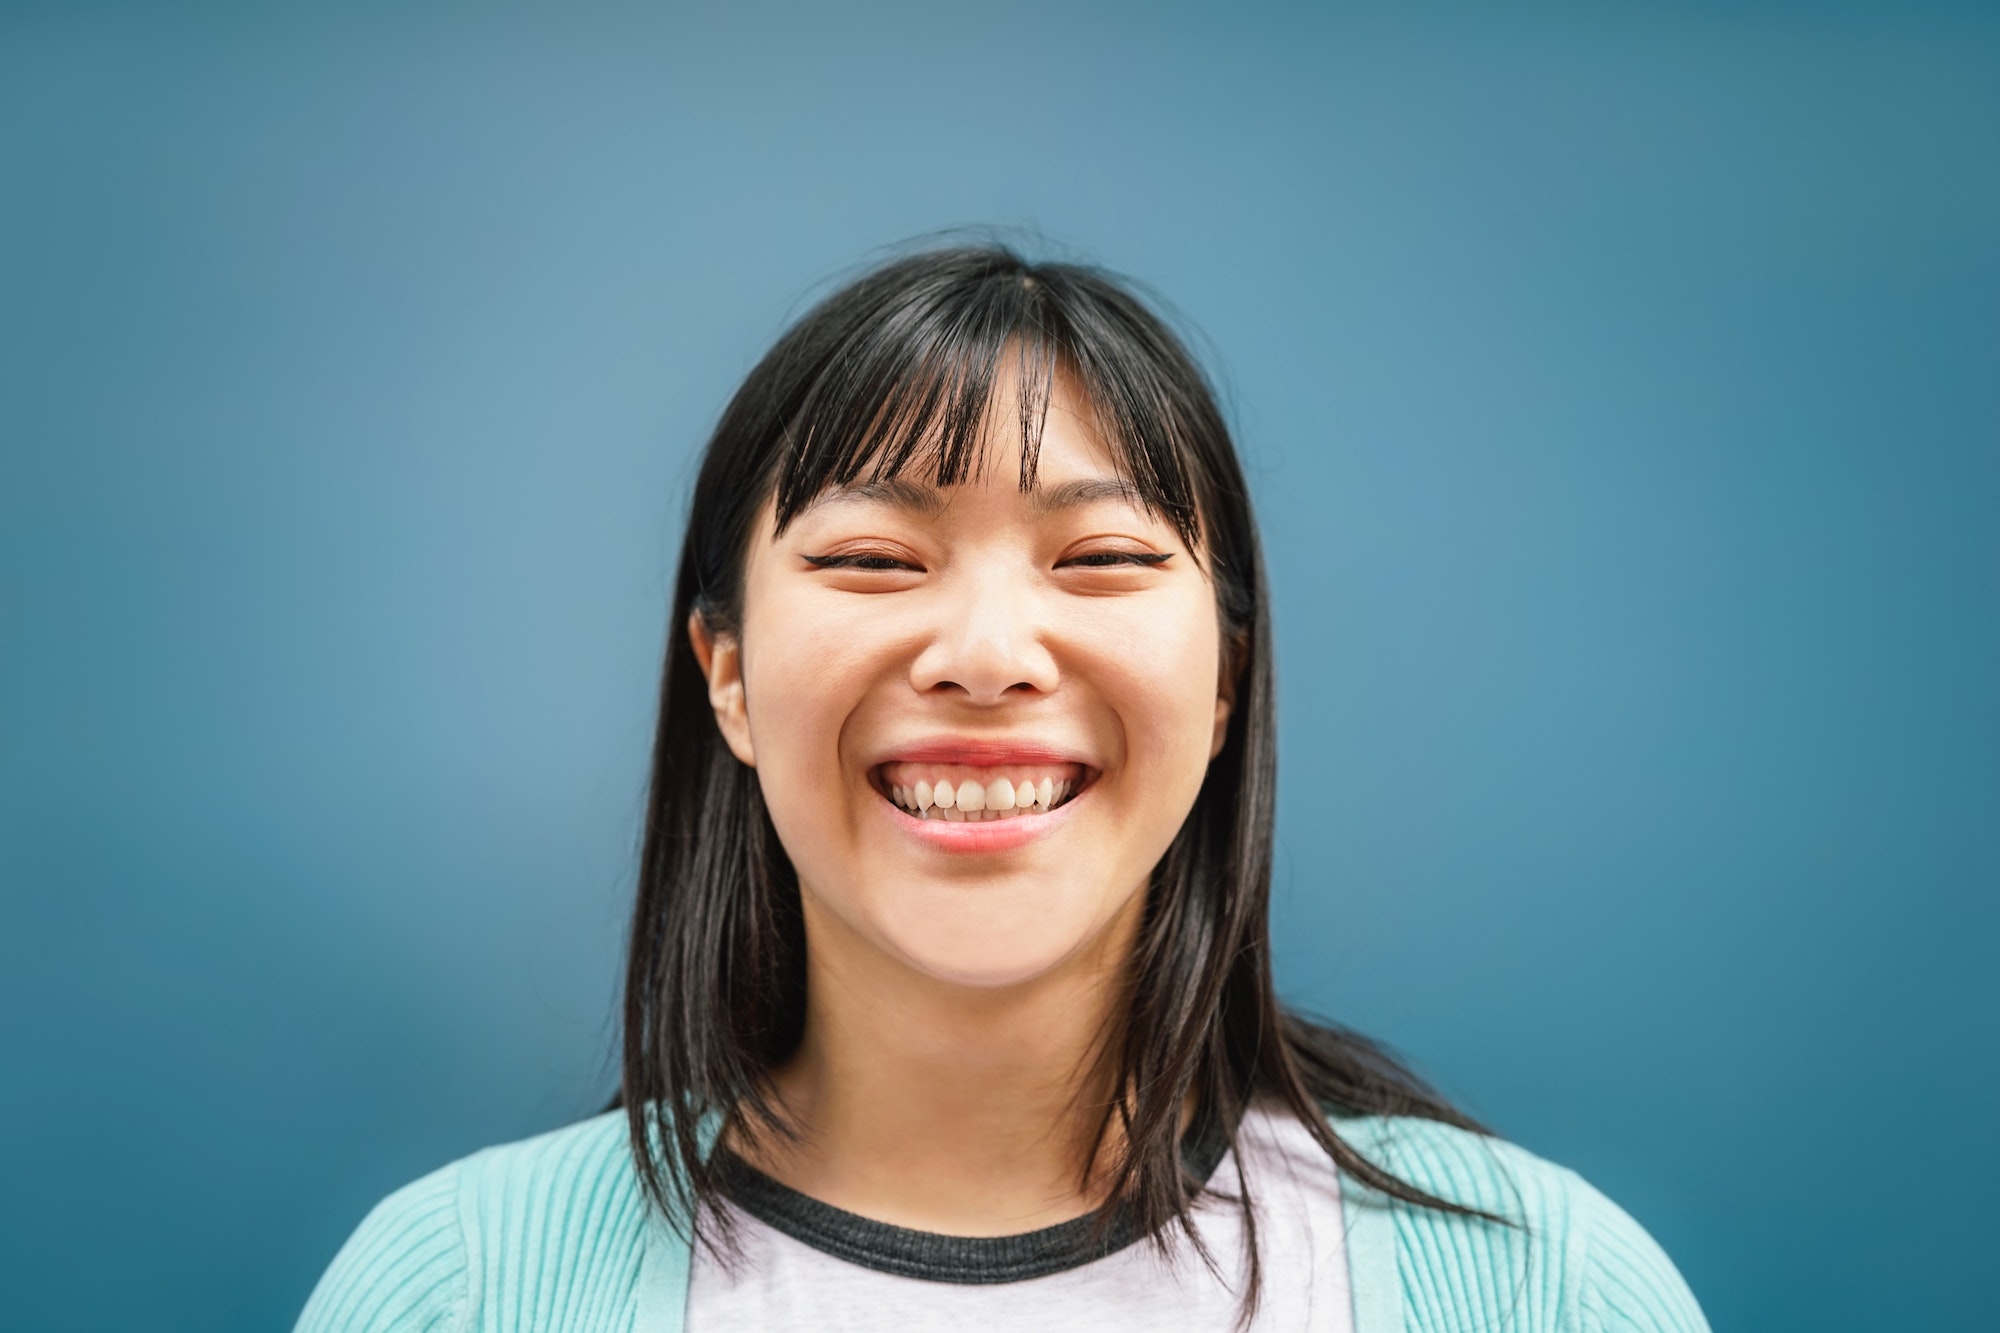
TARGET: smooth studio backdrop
(1618,384)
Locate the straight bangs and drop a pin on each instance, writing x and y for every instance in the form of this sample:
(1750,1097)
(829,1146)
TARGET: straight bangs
(911,379)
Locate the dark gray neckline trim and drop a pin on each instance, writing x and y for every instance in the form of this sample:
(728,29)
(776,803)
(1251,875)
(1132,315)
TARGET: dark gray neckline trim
(930,1257)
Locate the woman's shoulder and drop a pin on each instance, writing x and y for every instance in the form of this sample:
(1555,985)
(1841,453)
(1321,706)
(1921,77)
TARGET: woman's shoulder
(490,1239)
(1571,1256)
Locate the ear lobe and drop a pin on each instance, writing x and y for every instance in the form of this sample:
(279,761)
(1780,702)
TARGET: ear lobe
(721,659)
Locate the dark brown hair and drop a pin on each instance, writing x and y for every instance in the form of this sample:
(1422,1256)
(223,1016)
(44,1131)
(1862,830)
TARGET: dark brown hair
(895,372)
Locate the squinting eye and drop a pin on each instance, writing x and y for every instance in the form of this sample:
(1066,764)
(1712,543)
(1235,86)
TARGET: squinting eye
(1108,559)
(865,562)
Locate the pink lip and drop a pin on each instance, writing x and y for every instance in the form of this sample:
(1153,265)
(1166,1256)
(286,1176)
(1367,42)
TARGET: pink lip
(997,835)
(980,753)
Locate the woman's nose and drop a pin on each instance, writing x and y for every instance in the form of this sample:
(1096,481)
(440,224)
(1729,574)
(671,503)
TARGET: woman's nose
(989,642)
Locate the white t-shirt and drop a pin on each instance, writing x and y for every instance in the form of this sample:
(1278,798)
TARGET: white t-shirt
(809,1266)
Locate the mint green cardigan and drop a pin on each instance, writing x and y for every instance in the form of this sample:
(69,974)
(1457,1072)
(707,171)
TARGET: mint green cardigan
(552,1235)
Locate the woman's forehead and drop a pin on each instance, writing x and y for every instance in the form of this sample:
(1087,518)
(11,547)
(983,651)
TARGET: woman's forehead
(1062,466)
(1035,439)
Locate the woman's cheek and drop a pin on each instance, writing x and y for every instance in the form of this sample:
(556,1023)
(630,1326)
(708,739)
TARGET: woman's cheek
(1166,667)
(807,672)
(800,687)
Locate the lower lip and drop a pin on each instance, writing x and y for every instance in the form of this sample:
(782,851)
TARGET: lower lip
(988,835)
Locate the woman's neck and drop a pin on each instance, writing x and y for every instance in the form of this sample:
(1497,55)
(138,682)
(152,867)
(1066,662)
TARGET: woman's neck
(948,1108)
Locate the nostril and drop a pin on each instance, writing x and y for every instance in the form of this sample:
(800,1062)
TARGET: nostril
(1018,687)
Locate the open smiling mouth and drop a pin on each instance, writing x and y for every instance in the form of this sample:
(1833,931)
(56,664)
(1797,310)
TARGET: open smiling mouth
(963,794)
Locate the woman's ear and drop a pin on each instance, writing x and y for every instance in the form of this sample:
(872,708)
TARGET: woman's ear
(721,659)
(1233,653)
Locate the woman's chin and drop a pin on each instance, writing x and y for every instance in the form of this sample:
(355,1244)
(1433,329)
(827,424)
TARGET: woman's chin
(986,974)
(976,946)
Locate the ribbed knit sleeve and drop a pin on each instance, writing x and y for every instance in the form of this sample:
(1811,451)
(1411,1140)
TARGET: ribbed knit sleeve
(403,1269)
(548,1235)
(1628,1284)
(1572,1262)
(559,1231)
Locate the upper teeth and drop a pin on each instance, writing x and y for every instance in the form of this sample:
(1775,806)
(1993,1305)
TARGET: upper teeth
(1001,797)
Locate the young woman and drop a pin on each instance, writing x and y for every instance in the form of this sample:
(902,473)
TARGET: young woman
(949,999)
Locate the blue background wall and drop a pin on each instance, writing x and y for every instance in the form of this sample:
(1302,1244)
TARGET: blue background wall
(1621,387)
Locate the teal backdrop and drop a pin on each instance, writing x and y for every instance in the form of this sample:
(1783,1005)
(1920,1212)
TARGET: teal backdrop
(1621,390)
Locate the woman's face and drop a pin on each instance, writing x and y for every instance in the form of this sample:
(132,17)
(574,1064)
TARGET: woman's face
(978,715)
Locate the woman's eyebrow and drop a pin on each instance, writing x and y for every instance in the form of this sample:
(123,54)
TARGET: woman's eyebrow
(896,491)
(1070,494)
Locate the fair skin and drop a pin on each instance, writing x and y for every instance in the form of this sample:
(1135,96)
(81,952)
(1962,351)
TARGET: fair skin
(1054,654)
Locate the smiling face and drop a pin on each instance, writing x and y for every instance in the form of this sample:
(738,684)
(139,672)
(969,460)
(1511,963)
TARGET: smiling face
(978,715)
